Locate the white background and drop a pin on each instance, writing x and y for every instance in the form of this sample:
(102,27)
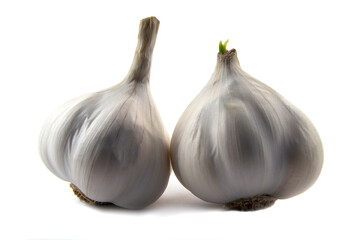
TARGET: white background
(52,51)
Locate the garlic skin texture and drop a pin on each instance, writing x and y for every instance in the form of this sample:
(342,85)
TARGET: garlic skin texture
(241,143)
(112,144)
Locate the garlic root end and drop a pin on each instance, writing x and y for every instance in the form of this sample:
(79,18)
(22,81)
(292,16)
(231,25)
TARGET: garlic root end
(84,198)
(252,203)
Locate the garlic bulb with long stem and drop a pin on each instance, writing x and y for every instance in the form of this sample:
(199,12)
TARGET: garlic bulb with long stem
(242,144)
(111,145)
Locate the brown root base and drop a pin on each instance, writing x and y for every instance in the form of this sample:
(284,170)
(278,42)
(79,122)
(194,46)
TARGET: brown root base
(252,203)
(84,198)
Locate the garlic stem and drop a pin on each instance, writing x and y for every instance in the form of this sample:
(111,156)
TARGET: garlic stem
(140,68)
(227,57)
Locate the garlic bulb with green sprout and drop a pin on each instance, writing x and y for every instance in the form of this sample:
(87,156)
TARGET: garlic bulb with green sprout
(240,143)
(111,145)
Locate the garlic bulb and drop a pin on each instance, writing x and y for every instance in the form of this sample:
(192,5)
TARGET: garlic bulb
(242,144)
(111,145)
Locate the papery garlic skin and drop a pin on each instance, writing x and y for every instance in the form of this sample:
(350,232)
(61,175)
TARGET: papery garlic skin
(240,139)
(112,144)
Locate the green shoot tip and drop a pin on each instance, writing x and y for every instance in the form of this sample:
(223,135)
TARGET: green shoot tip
(222,47)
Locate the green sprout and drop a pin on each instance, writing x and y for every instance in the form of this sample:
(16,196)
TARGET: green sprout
(222,47)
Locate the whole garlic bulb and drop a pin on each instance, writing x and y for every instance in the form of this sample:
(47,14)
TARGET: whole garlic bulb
(111,145)
(242,144)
